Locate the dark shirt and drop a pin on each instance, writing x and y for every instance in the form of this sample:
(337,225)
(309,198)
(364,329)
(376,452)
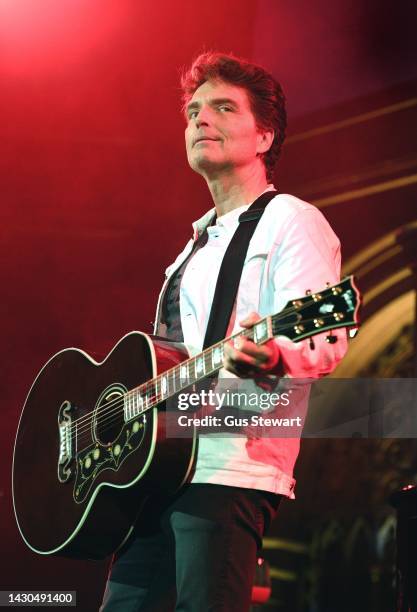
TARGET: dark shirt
(170,312)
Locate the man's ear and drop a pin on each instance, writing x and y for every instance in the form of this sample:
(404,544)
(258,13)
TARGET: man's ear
(265,140)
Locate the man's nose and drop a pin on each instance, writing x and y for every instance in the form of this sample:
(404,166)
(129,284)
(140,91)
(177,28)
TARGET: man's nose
(203,117)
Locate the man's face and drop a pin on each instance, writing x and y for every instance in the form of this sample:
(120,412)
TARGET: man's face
(221,132)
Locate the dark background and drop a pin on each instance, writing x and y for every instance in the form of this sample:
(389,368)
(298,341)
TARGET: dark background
(97,200)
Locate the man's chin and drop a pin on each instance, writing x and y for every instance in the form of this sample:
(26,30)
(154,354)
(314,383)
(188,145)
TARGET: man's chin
(207,166)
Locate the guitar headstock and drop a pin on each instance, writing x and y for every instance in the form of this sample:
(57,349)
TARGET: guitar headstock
(335,306)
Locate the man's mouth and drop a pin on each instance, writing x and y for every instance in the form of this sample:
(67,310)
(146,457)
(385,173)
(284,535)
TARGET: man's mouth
(204,139)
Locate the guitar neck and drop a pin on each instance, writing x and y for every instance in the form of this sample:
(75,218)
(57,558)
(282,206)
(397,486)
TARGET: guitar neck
(335,306)
(180,377)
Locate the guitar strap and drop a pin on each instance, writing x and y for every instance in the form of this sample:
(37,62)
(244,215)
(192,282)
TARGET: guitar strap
(231,270)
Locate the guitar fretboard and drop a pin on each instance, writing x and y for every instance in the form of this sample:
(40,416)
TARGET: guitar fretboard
(335,306)
(187,373)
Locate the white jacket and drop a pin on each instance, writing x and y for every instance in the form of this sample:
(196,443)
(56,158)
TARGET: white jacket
(292,250)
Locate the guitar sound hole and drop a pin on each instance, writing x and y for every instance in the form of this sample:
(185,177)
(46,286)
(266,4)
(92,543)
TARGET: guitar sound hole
(109,416)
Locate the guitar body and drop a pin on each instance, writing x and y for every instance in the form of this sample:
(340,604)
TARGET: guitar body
(81,471)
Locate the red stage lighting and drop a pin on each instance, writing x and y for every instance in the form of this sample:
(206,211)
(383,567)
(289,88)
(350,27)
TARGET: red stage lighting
(45,35)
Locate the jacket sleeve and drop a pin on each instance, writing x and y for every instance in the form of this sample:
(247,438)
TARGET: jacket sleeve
(306,257)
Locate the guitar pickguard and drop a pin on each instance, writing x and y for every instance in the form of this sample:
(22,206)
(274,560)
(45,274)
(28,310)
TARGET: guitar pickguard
(93,460)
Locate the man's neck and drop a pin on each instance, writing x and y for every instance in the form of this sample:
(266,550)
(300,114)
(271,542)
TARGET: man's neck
(232,190)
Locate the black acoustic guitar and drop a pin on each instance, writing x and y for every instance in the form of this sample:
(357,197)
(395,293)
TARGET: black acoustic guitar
(92,445)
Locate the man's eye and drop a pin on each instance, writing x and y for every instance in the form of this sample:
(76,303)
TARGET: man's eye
(192,114)
(224,107)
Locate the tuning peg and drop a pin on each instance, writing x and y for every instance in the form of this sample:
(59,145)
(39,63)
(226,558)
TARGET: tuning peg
(331,339)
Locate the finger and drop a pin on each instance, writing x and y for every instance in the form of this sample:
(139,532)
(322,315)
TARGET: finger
(234,357)
(274,356)
(238,363)
(245,359)
(250,320)
(262,357)
(240,370)
(266,356)
(262,354)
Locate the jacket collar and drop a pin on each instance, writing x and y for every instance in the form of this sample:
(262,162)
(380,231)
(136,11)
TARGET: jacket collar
(228,220)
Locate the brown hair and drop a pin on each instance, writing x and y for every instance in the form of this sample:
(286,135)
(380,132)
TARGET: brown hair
(264,92)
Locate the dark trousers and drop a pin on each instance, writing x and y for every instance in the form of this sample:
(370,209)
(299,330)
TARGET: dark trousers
(195,553)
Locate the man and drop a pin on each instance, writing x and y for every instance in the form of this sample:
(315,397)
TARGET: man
(200,555)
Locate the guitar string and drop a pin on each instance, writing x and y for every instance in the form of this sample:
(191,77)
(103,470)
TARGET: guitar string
(112,416)
(112,409)
(248,332)
(120,400)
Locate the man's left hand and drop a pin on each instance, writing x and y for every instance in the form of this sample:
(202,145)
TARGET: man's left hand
(246,359)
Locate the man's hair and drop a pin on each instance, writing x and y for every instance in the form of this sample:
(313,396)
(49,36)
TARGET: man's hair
(265,95)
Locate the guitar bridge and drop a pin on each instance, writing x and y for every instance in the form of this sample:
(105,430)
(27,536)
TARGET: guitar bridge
(65,441)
